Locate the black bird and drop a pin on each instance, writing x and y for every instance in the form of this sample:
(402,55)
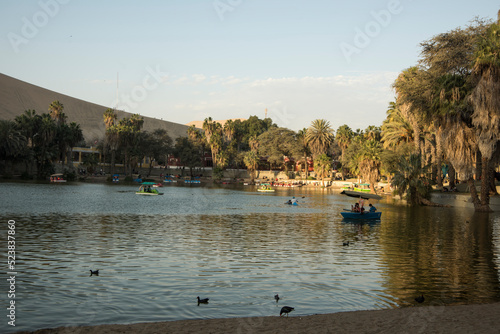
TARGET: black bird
(202,301)
(345,244)
(420,299)
(276,297)
(94,272)
(286,309)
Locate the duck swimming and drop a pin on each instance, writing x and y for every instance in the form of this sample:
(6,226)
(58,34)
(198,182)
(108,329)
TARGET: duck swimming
(202,301)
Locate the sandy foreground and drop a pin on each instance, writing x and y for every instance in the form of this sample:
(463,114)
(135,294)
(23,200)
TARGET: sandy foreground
(483,318)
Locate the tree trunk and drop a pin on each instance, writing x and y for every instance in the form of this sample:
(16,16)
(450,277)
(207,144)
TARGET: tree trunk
(475,199)
(439,153)
(112,163)
(491,181)
(452,175)
(485,185)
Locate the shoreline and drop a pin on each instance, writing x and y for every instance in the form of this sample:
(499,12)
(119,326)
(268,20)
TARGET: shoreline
(472,318)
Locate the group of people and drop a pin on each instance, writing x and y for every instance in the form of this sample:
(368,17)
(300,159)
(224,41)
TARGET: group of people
(292,201)
(359,207)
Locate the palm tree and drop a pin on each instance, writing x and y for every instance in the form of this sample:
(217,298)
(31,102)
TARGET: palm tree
(396,129)
(409,180)
(343,138)
(214,137)
(56,109)
(302,140)
(75,136)
(12,141)
(110,117)
(112,141)
(322,167)
(370,162)
(251,160)
(486,102)
(319,136)
(372,132)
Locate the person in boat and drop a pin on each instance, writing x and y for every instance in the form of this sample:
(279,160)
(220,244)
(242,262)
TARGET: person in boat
(294,200)
(289,202)
(372,208)
(356,208)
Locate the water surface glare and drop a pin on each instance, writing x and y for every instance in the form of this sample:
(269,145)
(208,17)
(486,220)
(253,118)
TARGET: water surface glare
(237,247)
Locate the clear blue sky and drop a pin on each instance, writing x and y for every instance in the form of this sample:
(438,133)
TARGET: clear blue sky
(183,60)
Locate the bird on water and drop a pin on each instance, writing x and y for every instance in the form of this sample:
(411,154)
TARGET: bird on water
(276,297)
(202,301)
(420,299)
(345,243)
(286,310)
(94,272)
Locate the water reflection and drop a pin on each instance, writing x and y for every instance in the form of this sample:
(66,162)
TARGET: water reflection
(238,248)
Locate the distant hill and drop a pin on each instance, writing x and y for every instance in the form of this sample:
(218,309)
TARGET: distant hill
(199,124)
(16,96)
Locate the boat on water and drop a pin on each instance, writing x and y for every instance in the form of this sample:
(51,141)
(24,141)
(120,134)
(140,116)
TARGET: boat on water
(266,189)
(360,194)
(363,187)
(358,215)
(147,189)
(57,178)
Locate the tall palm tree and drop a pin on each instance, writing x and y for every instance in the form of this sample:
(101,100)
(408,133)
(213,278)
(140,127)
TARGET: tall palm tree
(110,117)
(396,129)
(214,137)
(319,136)
(486,102)
(302,140)
(322,167)
(344,137)
(56,110)
(251,160)
(12,141)
(370,161)
(75,135)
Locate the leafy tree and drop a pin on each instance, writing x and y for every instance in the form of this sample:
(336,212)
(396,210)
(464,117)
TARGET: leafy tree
(188,152)
(278,143)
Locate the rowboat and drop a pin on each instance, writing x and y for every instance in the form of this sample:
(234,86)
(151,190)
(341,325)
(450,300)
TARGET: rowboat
(266,189)
(58,178)
(147,189)
(358,215)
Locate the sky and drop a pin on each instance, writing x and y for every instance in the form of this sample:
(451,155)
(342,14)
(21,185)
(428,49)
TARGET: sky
(186,60)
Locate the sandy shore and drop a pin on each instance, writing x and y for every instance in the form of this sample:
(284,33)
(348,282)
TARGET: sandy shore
(419,319)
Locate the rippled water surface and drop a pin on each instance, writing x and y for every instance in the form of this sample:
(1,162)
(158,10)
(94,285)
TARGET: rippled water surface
(237,247)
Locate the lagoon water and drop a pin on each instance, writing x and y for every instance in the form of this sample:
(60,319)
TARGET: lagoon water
(236,246)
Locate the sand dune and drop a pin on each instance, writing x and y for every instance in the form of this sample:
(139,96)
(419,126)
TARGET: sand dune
(16,96)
